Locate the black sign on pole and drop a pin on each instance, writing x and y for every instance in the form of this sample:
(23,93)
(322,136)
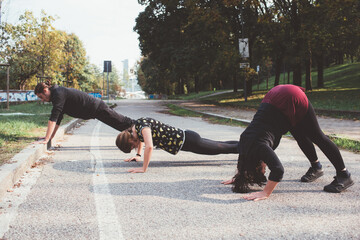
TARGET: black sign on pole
(107,66)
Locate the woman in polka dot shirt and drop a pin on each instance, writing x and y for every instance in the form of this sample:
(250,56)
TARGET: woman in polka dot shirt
(152,133)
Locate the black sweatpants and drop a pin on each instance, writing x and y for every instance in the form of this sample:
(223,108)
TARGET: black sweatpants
(308,132)
(110,117)
(196,144)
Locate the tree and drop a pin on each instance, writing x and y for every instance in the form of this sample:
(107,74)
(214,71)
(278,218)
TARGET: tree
(74,60)
(35,49)
(90,79)
(194,43)
(16,51)
(32,48)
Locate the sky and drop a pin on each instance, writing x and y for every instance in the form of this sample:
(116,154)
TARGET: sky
(105,27)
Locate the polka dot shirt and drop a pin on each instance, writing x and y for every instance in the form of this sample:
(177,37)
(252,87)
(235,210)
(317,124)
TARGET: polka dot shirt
(164,136)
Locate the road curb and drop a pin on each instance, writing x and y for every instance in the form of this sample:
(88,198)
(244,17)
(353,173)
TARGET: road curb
(11,172)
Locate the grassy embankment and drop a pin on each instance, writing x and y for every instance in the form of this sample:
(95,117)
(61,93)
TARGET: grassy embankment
(17,131)
(340,98)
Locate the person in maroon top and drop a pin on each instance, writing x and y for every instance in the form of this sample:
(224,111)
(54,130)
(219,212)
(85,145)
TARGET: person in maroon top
(284,108)
(77,104)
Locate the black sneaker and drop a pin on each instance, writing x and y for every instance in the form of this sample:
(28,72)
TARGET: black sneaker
(339,184)
(312,174)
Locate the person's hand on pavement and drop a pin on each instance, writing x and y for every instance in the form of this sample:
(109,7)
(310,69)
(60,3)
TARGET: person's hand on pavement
(136,159)
(256,196)
(136,170)
(41,141)
(227,182)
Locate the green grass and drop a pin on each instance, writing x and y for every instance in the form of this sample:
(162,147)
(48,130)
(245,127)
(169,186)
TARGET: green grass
(176,110)
(225,121)
(348,144)
(339,76)
(16,132)
(341,92)
(192,96)
(330,99)
(344,99)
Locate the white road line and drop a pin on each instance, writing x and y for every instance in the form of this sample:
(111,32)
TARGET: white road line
(109,226)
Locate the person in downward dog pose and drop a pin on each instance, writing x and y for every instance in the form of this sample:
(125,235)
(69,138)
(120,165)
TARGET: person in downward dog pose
(152,133)
(284,108)
(76,104)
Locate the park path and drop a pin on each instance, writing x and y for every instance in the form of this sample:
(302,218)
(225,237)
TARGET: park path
(82,190)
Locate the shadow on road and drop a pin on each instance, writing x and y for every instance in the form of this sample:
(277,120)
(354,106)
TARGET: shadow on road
(84,166)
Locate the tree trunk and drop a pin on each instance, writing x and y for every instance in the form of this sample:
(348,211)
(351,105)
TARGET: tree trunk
(320,70)
(197,83)
(284,70)
(288,75)
(249,86)
(308,63)
(297,72)
(278,64)
(341,58)
(235,83)
(296,25)
(249,81)
(180,86)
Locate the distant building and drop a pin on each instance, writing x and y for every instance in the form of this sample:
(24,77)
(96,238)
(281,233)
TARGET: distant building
(125,67)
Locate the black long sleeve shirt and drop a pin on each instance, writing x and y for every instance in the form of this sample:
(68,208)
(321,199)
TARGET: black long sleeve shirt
(73,102)
(266,129)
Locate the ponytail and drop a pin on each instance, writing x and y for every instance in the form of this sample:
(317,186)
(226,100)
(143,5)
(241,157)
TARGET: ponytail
(48,83)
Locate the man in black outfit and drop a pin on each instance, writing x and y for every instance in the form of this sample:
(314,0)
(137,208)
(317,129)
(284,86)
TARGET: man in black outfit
(77,104)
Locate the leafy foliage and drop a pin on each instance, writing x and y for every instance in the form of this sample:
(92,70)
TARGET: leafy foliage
(36,51)
(193,45)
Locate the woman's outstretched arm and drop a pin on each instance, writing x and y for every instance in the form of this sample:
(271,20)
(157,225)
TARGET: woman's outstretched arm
(146,133)
(264,194)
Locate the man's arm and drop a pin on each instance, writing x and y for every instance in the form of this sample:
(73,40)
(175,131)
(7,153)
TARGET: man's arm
(50,132)
(55,130)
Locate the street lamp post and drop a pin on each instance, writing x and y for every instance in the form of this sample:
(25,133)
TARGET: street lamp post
(107,69)
(244,51)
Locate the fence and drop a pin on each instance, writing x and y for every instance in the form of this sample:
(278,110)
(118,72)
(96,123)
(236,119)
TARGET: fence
(18,96)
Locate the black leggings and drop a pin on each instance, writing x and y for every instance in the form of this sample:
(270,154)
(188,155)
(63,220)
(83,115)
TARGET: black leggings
(196,144)
(110,117)
(308,132)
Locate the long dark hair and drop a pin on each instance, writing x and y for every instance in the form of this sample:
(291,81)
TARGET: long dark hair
(247,176)
(41,86)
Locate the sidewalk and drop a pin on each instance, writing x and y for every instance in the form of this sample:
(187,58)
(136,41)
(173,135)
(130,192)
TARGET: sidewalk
(11,172)
(331,126)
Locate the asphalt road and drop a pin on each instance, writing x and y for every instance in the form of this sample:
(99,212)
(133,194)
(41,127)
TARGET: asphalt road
(82,190)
